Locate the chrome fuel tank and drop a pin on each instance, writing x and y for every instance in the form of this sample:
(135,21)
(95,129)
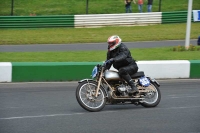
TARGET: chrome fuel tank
(111,75)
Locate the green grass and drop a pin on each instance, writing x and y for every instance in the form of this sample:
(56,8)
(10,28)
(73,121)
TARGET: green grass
(139,54)
(88,35)
(96,35)
(61,7)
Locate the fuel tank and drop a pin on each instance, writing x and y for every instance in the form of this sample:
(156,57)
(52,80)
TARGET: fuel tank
(111,75)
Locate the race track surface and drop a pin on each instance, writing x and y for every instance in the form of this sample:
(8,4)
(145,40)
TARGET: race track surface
(52,108)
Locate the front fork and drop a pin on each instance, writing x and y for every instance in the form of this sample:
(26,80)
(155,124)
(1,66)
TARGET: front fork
(99,83)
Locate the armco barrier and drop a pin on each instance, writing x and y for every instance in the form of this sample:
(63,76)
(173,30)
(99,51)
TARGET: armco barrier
(68,71)
(174,17)
(92,20)
(36,21)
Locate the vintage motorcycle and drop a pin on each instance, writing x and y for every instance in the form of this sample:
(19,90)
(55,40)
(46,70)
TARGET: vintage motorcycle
(107,87)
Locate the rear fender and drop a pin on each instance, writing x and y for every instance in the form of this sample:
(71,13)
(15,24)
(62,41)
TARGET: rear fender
(154,81)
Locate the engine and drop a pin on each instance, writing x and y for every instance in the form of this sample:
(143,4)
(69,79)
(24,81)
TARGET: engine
(122,90)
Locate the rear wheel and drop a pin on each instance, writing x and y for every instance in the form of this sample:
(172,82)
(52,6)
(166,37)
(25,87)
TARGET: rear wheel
(152,97)
(85,95)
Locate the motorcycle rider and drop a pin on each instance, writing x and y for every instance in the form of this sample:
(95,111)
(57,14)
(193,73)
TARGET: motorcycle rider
(120,57)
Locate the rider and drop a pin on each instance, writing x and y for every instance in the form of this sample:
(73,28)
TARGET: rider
(120,57)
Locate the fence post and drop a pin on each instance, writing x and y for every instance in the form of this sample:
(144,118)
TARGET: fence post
(12,6)
(159,10)
(87,6)
(188,27)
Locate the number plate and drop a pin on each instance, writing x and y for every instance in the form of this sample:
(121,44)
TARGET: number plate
(94,72)
(144,81)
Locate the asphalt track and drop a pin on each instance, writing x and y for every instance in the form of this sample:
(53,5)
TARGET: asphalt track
(88,46)
(52,108)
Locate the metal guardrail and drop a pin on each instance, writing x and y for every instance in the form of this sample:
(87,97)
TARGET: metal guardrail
(174,17)
(36,21)
(92,20)
(117,19)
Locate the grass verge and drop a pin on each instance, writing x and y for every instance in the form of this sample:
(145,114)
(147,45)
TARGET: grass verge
(96,35)
(165,53)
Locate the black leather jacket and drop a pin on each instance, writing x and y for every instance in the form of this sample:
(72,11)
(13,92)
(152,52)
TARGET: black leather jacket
(121,55)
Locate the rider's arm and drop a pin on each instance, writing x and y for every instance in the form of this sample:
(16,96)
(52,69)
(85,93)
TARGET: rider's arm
(123,53)
(108,57)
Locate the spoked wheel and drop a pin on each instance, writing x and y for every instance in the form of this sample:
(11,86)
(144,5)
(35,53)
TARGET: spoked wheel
(85,95)
(152,97)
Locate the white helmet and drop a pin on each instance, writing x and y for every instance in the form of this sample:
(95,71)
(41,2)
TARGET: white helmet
(113,42)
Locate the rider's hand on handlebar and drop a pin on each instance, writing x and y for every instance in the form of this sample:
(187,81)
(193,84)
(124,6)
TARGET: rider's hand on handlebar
(109,62)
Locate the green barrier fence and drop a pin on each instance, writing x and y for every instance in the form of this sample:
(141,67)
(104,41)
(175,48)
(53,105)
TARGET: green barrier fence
(194,68)
(51,71)
(67,71)
(69,20)
(174,17)
(36,21)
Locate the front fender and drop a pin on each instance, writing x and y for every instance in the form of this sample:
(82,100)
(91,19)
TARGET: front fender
(86,80)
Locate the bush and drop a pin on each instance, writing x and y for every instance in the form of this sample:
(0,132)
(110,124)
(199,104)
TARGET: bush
(183,48)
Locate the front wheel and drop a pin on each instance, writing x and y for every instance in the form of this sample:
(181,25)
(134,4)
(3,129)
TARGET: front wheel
(152,97)
(85,95)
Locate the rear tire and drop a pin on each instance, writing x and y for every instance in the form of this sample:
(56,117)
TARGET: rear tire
(152,99)
(85,95)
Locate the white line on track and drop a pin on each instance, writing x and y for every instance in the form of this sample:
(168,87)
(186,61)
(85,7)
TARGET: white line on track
(38,116)
(52,115)
(55,115)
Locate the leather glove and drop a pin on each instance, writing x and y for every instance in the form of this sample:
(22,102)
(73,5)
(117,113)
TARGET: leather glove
(109,62)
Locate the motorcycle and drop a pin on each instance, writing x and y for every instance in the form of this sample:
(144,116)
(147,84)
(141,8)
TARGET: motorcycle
(106,87)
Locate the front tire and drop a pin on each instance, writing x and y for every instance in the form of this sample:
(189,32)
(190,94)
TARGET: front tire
(85,95)
(153,97)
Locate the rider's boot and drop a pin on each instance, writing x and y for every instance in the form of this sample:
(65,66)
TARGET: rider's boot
(134,90)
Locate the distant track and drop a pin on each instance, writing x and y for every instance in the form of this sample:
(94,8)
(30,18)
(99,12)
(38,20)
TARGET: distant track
(88,46)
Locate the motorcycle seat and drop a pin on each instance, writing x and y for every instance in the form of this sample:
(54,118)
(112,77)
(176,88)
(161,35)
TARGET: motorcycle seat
(138,74)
